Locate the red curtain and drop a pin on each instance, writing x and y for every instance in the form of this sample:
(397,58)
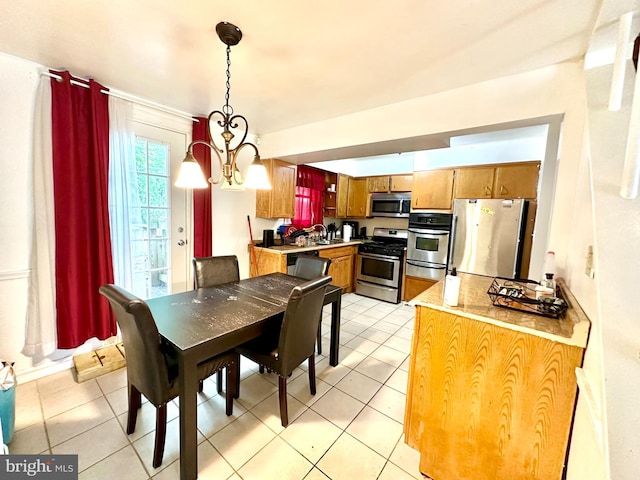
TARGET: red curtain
(80,141)
(309,198)
(202,244)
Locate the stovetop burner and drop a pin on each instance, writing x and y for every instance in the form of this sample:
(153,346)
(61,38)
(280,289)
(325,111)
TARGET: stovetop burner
(386,241)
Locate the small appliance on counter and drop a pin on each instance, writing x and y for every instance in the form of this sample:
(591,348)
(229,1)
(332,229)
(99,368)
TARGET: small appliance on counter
(354,229)
(267,238)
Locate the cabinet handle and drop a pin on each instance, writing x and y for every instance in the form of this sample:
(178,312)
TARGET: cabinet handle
(502,189)
(487,190)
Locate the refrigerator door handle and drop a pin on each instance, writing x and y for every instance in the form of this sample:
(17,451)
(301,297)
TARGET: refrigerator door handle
(452,240)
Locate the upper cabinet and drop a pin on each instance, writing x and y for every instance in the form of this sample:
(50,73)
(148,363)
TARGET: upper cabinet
(389,183)
(504,181)
(279,202)
(341,196)
(432,189)
(357,197)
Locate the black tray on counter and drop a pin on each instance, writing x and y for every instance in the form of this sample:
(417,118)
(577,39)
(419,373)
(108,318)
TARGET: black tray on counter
(518,294)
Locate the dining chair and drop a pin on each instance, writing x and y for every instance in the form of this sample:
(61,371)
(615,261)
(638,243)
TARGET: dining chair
(282,349)
(151,370)
(211,272)
(310,267)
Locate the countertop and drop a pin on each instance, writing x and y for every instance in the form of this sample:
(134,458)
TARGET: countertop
(284,249)
(474,302)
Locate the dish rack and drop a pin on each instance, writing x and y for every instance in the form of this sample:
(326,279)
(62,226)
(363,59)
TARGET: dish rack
(521,295)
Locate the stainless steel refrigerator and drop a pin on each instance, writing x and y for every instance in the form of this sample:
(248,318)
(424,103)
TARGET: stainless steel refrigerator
(487,236)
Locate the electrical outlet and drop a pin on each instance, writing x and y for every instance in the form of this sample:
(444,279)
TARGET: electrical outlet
(588,268)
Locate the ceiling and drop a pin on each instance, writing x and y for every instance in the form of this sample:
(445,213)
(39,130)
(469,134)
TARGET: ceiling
(298,62)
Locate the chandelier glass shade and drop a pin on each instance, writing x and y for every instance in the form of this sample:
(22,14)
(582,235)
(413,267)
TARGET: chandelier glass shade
(256,177)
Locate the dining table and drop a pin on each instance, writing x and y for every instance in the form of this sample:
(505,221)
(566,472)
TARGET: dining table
(202,323)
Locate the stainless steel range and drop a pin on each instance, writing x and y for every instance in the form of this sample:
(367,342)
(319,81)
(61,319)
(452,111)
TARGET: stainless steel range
(379,265)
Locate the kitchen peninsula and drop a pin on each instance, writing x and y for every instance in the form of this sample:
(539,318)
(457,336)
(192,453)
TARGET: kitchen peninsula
(491,391)
(342,255)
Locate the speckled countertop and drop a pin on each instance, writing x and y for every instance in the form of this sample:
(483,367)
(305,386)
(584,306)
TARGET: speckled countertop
(474,302)
(284,249)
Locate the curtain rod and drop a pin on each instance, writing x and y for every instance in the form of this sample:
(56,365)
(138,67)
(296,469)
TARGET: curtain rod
(125,96)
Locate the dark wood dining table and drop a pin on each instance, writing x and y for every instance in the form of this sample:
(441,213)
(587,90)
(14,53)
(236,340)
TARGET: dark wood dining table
(199,324)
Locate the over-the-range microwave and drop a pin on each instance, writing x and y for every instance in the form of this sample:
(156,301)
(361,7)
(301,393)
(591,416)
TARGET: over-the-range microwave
(390,204)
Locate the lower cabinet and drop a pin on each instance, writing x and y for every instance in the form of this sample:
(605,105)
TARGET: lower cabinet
(413,286)
(342,266)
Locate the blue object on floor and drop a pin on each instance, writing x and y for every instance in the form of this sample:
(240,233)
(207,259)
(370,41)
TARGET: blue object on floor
(8,412)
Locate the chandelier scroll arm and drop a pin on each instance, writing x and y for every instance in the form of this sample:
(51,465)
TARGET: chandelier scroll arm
(215,149)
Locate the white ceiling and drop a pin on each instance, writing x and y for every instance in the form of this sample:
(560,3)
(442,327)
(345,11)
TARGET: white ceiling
(298,62)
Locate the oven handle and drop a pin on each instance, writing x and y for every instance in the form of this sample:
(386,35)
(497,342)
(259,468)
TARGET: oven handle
(452,239)
(418,263)
(429,232)
(376,256)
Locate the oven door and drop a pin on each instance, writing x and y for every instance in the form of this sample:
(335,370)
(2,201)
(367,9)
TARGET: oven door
(378,269)
(429,271)
(428,246)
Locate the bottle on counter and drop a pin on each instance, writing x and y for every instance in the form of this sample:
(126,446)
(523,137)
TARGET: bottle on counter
(549,283)
(549,265)
(452,288)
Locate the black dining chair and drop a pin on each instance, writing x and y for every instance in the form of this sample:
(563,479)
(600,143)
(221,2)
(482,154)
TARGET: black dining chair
(151,370)
(310,267)
(282,349)
(211,272)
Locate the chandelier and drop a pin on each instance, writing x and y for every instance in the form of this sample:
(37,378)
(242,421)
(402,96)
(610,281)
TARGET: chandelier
(190,175)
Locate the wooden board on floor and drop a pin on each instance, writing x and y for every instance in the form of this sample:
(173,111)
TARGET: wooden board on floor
(104,360)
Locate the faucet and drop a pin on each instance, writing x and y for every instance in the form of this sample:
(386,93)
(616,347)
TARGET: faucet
(323,233)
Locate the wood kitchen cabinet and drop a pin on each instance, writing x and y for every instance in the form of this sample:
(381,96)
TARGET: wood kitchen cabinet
(279,202)
(389,183)
(401,183)
(519,180)
(432,189)
(342,189)
(357,197)
(491,391)
(414,286)
(342,265)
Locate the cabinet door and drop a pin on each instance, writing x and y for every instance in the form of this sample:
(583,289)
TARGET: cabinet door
(516,181)
(414,286)
(378,184)
(341,196)
(357,197)
(432,189)
(341,271)
(401,183)
(283,188)
(474,182)
(279,202)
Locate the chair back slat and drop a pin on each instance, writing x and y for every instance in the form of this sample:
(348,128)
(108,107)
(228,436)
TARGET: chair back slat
(310,267)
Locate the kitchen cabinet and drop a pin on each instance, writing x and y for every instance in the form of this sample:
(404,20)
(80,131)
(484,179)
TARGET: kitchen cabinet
(389,183)
(491,391)
(401,183)
(414,286)
(518,180)
(342,265)
(357,197)
(342,188)
(432,189)
(279,202)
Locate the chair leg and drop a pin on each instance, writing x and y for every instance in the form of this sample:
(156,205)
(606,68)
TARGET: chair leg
(320,336)
(200,386)
(261,368)
(236,391)
(231,374)
(219,381)
(312,374)
(161,433)
(282,395)
(134,404)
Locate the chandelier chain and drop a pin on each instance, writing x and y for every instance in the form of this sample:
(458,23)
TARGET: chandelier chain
(226,97)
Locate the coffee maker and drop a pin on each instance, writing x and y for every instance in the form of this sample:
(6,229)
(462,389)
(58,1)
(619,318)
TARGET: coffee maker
(354,228)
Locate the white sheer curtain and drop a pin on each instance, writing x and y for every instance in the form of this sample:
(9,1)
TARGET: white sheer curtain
(40,332)
(124,211)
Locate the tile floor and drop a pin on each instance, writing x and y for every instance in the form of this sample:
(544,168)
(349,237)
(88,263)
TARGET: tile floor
(352,427)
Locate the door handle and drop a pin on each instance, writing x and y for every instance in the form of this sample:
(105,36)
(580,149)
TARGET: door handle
(182,243)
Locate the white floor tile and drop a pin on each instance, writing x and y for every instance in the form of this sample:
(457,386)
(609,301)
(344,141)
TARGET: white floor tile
(390,402)
(78,420)
(211,466)
(242,439)
(124,460)
(311,435)
(338,407)
(278,460)
(29,441)
(112,381)
(359,386)
(376,369)
(212,416)
(348,458)
(255,389)
(268,411)
(389,355)
(376,430)
(398,381)
(407,459)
